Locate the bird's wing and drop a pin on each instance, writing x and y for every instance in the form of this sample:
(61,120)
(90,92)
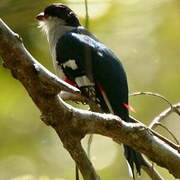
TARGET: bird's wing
(74,52)
(87,62)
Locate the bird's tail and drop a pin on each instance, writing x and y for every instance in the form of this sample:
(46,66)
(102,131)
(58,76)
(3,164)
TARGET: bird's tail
(135,160)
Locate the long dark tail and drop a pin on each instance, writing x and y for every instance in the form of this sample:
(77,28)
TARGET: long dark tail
(135,159)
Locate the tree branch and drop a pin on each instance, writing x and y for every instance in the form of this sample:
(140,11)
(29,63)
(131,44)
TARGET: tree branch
(93,106)
(174,108)
(72,124)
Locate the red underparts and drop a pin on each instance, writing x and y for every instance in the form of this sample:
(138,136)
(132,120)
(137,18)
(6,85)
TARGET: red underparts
(69,82)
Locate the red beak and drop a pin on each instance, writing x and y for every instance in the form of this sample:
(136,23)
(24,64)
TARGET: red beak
(41,16)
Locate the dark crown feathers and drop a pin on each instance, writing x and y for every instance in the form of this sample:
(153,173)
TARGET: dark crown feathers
(63,12)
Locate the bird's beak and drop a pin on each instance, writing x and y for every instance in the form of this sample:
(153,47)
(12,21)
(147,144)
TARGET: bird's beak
(41,16)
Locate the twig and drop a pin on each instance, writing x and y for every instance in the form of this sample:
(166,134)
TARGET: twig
(91,104)
(152,172)
(90,139)
(175,108)
(87,14)
(77,172)
(152,94)
(175,139)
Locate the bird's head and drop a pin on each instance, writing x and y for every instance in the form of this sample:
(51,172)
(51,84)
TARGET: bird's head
(57,15)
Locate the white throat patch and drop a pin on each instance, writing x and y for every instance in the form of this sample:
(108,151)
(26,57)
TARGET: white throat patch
(54,28)
(50,23)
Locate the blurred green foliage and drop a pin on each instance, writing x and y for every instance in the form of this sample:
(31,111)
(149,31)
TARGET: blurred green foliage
(145,34)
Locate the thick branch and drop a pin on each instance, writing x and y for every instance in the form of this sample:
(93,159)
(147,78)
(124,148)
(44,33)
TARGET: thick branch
(133,134)
(72,124)
(93,106)
(43,88)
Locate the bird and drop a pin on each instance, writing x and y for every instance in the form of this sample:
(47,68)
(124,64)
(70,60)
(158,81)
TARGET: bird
(85,62)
